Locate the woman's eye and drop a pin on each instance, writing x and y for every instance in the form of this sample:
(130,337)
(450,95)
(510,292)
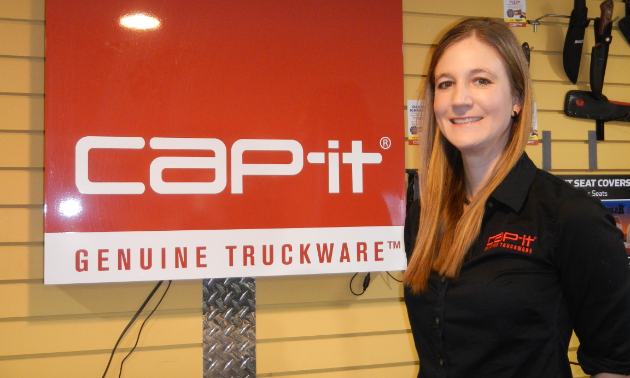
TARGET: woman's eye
(445,84)
(482,81)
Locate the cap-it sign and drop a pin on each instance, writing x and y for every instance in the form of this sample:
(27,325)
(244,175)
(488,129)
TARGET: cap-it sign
(224,140)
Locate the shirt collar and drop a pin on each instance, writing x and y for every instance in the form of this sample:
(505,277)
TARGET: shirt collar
(513,190)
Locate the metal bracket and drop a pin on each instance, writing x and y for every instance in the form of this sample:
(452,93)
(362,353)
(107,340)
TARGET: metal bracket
(536,22)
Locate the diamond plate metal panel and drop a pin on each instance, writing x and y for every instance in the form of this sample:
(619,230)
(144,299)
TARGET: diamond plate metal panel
(229,328)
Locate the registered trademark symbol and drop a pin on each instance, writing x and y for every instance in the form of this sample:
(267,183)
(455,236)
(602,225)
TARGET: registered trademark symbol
(385,143)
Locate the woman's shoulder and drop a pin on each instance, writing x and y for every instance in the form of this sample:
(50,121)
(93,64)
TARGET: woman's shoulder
(566,198)
(555,185)
(574,212)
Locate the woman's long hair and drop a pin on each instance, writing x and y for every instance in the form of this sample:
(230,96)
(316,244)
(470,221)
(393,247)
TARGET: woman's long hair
(447,230)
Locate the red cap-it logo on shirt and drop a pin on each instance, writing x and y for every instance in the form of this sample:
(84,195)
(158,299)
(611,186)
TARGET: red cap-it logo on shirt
(510,240)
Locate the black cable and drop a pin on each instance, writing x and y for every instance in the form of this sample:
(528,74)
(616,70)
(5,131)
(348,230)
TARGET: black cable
(394,278)
(366,283)
(574,363)
(142,326)
(129,325)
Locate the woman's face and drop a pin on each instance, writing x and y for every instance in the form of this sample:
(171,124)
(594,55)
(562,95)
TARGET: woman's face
(473,101)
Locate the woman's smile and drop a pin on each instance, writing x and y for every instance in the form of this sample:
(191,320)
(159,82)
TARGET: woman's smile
(459,121)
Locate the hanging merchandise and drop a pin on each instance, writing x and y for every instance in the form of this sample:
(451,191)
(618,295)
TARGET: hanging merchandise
(572,52)
(533,135)
(514,13)
(583,104)
(527,51)
(624,24)
(599,53)
(414,116)
(594,105)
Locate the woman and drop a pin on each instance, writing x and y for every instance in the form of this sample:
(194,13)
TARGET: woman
(504,259)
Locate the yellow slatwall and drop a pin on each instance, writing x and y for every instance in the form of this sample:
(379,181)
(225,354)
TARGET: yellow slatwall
(309,326)
(424,23)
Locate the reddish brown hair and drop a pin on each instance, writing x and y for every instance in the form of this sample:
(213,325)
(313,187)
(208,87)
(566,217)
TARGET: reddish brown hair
(447,230)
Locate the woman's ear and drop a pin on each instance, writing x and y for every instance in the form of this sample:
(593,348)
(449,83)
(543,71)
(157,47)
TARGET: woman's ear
(516,107)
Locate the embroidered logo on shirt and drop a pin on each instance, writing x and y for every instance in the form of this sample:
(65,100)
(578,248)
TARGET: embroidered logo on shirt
(512,241)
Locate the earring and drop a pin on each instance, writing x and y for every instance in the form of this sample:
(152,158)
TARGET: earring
(514,115)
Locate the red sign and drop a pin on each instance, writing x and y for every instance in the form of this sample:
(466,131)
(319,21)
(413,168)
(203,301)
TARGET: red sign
(199,139)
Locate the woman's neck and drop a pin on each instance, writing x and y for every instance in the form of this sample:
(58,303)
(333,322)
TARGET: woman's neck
(477,169)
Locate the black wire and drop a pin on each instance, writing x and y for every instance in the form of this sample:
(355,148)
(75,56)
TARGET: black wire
(351,279)
(366,283)
(574,363)
(129,325)
(393,277)
(142,326)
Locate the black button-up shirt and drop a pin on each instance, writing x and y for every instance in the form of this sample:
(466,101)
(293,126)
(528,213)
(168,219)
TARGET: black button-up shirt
(548,259)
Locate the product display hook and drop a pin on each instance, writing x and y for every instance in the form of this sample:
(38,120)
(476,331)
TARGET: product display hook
(536,22)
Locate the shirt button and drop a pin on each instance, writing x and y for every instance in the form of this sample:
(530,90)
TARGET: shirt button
(441,362)
(437,320)
(489,204)
(443,278)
